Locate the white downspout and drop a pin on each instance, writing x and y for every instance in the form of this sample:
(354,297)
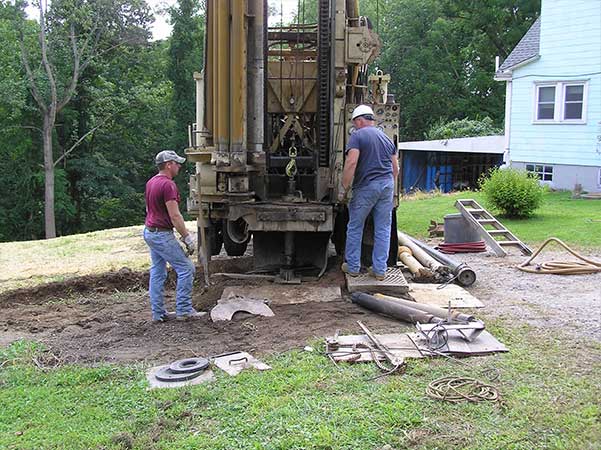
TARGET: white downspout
(508,93)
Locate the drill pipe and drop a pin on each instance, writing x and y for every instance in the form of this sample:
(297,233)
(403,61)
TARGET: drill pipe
(418,253)
(393,309)
(463,273)
(435,310)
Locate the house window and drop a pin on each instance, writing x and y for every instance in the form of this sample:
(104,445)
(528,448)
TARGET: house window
(544,173)
(546,102)
(599,179)
(560,102)
(573,100)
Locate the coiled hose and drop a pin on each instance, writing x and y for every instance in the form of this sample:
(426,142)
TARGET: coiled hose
(588,266)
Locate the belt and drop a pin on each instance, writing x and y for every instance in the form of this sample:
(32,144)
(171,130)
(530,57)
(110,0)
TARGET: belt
(157,229)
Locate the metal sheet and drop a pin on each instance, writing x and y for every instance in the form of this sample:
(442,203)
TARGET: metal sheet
(429,294)
(394,283)
(235,363)
(233,303)
(484,344)
(286,294)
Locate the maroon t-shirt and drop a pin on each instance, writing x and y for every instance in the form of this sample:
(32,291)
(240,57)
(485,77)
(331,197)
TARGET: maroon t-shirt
(159,190)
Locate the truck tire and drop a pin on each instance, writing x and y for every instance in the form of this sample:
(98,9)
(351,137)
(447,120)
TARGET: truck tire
(214,237)
(339,233)
(232,245)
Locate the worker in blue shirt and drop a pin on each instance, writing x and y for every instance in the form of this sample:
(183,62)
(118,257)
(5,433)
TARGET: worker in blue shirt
(371,166)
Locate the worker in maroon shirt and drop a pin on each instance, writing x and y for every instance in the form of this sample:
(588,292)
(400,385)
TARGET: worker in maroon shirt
(162,215)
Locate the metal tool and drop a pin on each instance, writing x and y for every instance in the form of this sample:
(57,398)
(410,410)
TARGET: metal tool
(394,360)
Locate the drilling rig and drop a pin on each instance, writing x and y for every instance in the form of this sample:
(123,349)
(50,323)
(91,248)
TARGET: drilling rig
(273,108)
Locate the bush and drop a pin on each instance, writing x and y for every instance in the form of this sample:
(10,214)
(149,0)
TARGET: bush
(515,193)
(462,128)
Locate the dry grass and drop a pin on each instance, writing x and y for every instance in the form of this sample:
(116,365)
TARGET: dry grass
(28,263)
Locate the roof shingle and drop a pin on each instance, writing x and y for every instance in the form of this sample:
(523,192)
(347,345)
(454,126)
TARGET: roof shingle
(527,48)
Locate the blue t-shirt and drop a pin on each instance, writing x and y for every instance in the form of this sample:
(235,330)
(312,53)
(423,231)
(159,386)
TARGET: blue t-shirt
(375,155)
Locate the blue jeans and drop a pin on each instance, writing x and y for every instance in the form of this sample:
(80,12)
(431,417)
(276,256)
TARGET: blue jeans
(164,249)
(377,198)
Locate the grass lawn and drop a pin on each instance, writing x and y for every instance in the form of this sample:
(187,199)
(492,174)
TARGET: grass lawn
(576,222)
(550,401)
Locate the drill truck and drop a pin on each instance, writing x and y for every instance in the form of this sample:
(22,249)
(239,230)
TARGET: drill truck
(273,108)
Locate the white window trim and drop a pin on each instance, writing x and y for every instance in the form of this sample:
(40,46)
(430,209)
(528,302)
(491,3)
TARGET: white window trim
(560,94)
(599,178)
(543,172)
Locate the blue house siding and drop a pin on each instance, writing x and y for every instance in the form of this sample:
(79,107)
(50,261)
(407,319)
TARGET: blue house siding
(570,49)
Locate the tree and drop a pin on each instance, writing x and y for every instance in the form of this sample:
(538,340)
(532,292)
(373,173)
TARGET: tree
(463,128)
(71,34)
(441,55)
(185,58)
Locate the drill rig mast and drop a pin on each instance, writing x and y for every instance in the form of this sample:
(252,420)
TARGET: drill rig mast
(272,121)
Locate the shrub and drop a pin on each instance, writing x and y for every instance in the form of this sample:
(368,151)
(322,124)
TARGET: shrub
(515,193)
(462,128)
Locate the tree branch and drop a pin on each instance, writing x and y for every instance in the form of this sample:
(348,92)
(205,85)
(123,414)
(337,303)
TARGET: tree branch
(34,89)
(22,127)
(80,140)
(76,70)
(47,67)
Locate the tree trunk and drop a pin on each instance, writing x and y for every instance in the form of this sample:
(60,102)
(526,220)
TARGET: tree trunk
(49,219)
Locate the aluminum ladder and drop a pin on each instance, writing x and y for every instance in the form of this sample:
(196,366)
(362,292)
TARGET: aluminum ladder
(479,218)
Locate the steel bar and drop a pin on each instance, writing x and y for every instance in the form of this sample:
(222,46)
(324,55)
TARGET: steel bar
(395,360)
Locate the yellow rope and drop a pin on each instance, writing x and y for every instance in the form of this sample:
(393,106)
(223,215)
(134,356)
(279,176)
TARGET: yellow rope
(560,267)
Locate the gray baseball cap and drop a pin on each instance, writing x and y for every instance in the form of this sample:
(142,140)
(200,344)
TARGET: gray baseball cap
(168,155)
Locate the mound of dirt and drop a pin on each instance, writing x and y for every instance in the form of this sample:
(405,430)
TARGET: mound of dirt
(107,317)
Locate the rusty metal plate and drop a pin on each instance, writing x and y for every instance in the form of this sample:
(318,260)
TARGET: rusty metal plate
(394,283)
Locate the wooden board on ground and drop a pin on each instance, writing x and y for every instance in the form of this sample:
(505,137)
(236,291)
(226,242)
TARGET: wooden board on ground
(283,294)
(429,294)
(355,348)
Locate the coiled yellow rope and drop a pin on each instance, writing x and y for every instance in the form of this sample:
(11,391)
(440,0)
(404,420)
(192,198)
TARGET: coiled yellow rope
(459,389)
(559,267)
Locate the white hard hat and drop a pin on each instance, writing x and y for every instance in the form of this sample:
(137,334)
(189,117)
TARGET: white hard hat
(362,110)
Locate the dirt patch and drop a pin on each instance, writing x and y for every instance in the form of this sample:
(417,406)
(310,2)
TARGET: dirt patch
(107,318)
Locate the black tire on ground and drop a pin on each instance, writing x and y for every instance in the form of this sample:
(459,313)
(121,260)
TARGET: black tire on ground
(339,234)
(214,237)
(233,248)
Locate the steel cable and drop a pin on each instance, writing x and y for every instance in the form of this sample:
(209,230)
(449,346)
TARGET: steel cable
(588,266)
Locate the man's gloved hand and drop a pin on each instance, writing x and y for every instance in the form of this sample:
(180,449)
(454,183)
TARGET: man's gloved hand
(343,195)
(190,243)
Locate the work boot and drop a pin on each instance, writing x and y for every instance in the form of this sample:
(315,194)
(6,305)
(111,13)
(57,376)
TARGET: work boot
(377,276)
(165,317)
(346,270)
(195,315)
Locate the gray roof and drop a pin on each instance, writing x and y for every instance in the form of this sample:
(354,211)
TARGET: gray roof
(526,49)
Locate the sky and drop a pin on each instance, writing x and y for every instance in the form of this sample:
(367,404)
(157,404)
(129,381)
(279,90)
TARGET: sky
(161,29)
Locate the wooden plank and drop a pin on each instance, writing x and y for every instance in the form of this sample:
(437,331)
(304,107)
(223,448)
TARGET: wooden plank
(283,294)
(429,294)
